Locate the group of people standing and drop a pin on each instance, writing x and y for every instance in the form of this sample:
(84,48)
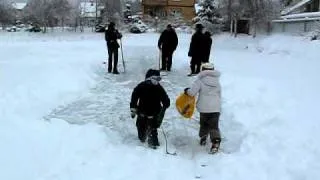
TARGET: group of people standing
(149,100)
(199,50)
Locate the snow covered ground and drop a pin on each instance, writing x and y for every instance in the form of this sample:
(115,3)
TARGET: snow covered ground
(62,117)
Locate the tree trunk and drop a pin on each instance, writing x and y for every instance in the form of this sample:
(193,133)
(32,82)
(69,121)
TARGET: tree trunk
(236,28)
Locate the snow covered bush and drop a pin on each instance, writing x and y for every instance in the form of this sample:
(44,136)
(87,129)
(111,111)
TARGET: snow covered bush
(315,35)
(208,16)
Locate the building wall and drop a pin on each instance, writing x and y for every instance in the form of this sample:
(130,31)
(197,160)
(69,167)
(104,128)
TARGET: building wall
(187,13)
(170,7)
(155,2)
(297,27)
(181,3)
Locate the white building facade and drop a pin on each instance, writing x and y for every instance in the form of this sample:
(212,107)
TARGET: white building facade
(301,17)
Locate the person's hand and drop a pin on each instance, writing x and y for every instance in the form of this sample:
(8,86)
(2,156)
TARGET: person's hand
(186,91)
(133,112)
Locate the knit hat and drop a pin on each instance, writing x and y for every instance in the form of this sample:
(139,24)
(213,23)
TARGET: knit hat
(153,74)
(199,26)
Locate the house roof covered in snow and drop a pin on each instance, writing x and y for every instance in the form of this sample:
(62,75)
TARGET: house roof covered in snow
(19,5)
(294,7)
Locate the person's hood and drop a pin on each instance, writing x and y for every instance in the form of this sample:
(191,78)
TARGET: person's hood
(209,77)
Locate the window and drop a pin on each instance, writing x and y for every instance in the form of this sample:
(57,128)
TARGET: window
(176,12)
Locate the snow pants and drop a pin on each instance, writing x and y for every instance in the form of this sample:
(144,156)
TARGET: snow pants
(147,127)
(209,125)
(166,60)
(195,65)
(113,52)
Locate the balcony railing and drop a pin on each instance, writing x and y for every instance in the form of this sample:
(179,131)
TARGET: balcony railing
(155,2)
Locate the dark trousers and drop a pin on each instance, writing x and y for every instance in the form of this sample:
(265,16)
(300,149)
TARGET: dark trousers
(195,65)
(166,60)
(113,52)
(209,125)
(147,127)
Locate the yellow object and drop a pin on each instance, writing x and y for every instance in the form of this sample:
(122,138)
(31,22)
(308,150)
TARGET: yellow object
(185,105)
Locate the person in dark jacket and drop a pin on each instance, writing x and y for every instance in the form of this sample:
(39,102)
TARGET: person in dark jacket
(196,50)
(207,44)
(149,101)
(111,36)
(167,43)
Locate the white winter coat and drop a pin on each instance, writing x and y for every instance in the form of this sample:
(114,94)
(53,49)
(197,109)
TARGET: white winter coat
(208,88)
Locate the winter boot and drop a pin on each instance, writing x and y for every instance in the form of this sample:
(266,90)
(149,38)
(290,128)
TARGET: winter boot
(142,137)
(153,141)
(215,146)
(203,141)
(115,71)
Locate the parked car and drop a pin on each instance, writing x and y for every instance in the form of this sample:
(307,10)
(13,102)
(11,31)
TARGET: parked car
(138,27)
(13,29)
(100,28)
(33,28)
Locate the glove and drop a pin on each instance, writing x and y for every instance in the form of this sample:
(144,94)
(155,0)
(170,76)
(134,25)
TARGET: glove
(186,91)
(133,112)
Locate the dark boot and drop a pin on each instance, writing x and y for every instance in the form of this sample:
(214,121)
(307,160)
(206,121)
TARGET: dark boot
(203,141)
(153,141)
(215,146)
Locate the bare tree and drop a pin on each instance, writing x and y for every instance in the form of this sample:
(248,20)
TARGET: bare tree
(47,13)
(261,12)
(112,10)
(136,6)
(6,12)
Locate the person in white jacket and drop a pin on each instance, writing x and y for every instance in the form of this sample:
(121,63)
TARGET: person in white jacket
(208,89)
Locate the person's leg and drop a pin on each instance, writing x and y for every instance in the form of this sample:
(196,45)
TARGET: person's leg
(115,65)
(169,61)
(214,132)
(204,128)
(198,64)
(110,59)
(214,127)
(164,60)
(153,135)
(192,66)
(142,127)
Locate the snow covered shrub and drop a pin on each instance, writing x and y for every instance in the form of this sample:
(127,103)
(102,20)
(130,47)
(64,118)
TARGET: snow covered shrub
(208,16)
(315,35)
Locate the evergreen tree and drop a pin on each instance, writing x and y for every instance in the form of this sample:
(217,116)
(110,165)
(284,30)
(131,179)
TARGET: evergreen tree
(208,11)
(208,15)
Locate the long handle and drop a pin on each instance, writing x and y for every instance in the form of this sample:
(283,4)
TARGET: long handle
(123,63)
(160,53)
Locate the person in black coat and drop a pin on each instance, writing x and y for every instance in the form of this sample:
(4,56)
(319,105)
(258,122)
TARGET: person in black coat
(111,36)
(207,44)
(197,50)
(167,43)
(149,101)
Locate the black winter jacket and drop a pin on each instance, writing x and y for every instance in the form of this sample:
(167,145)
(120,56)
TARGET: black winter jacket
(197,46)
(111,36)
(207,48)
(149,99)
(168,40)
